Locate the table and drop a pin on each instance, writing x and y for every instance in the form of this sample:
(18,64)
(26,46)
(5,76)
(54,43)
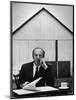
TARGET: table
(40,92)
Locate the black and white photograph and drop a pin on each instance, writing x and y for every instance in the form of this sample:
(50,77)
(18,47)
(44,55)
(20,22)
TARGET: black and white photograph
(42,49)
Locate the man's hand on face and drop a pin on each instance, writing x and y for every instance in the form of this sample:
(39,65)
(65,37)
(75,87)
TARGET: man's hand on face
(43,63)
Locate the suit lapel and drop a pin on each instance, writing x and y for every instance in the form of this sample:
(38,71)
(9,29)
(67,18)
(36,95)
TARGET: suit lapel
(31,70)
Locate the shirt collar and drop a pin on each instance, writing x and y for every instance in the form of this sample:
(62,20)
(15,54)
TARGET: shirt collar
(34,65)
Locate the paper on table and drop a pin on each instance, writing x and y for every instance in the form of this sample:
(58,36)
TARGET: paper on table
(46,88)
(32,85)
(22,92)
(39,89)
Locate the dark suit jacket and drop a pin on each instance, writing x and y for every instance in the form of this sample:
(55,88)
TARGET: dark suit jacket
(26,74)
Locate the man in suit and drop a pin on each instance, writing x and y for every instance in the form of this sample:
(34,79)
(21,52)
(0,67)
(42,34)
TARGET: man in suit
(38,68)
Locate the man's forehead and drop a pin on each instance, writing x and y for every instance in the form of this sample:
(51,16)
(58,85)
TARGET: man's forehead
(38,51)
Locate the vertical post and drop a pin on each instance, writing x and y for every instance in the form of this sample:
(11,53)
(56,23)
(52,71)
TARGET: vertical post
(56,53)
(56,50)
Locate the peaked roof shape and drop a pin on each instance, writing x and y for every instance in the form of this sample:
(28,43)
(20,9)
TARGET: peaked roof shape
(37,14)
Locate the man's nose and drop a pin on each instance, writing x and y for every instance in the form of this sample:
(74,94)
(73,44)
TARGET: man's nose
(38,57)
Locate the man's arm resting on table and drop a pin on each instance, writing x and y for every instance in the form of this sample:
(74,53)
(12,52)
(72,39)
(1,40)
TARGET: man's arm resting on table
(24,84)
(22,77)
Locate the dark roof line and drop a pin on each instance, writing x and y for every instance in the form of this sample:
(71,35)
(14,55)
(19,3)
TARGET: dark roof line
(59,21)
(28,20)
(35,15)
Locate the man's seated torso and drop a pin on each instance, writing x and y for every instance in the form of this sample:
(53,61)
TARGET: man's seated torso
(27,71)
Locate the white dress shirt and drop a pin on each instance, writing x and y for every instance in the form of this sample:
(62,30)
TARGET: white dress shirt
(34,69)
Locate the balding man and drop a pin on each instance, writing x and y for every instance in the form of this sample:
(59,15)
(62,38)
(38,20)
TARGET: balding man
(38,68)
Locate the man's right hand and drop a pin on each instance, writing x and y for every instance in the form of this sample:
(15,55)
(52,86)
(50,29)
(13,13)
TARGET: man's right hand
(22,85)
